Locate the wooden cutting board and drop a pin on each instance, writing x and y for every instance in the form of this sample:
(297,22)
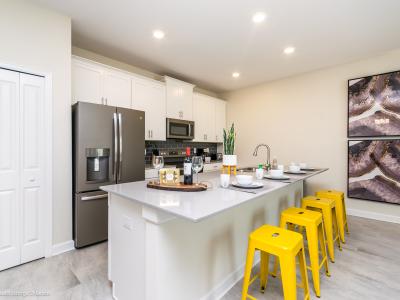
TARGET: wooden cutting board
(178,187)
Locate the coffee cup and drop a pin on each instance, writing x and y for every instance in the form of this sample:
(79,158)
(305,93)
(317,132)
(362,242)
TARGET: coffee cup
(294,168)
(276,173)
(225,180)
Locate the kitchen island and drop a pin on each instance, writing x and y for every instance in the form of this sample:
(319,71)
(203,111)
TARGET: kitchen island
(187,245)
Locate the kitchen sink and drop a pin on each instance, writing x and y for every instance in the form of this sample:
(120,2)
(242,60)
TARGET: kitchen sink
(247,169)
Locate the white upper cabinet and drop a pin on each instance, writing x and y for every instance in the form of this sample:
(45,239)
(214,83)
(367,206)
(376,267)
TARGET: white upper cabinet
(179,99)
(117,89)
(95,83)
(86,82)
(204,118)
(149,96)
(209,117)
(220,120)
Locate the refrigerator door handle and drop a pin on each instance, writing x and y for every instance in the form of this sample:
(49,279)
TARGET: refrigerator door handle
(120,146)
(115,163)
(88,198)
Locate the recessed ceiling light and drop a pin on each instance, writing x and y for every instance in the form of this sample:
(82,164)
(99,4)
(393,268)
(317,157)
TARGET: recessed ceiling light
(259,17)
(235,74)
(289,50)
(158,34)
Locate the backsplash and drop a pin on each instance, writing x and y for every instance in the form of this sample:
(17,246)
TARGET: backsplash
(175,144)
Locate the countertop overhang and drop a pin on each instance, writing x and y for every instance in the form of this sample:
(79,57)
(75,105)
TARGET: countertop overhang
(196,206)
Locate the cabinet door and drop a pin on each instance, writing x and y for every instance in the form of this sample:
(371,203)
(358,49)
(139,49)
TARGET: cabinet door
(32,140)
(86,82)
(117,89)
(179,99)
(204,118)
(9,170)
(150,97)
(220,120)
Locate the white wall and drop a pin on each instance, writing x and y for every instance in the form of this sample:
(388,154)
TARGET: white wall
(38,39)
(304,118)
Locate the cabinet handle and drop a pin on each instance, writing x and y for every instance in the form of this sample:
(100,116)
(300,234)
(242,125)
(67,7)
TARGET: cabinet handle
(106,101)
(151,131)
(216,137)
(102,100)
(206,137)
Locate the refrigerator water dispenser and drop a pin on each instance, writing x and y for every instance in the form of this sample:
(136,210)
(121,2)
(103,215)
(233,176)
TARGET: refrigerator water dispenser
(97,162)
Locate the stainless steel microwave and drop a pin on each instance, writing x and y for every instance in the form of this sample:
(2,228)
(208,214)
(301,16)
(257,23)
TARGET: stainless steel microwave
(180,129)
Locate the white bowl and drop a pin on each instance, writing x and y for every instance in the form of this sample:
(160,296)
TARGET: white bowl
(276,173)
(303,165)
(244,179)
(294,168)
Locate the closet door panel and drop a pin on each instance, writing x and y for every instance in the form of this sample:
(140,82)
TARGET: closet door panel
(9,170)
(33,151)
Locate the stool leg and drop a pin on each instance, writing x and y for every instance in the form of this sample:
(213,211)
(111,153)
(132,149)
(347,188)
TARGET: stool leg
(247,270)
(312,238)
(336,227)
(327,213)
(303,273)
(321,235)
(345,217)
(288,275)
(264,266)
(340,218)
(282,224)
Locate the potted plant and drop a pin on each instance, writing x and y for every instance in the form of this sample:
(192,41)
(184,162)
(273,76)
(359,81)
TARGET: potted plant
(229,158)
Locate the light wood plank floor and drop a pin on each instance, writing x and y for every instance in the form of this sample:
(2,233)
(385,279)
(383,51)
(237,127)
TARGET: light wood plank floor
(367,268)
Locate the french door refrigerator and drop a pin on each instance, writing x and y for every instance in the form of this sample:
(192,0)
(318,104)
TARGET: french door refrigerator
(108,148)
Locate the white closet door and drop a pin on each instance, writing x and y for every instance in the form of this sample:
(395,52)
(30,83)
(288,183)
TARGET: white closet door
(9,170)
(32,166)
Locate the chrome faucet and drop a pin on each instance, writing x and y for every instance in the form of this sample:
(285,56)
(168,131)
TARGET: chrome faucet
(268,152)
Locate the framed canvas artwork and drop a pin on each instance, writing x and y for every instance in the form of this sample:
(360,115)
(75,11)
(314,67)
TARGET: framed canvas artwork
(374,105)
(374,170)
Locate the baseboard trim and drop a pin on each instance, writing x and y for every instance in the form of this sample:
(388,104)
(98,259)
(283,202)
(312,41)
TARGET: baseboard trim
(225,285)
(373,215)
(63,247)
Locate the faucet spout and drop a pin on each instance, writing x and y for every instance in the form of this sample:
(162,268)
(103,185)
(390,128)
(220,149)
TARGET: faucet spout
(255,153)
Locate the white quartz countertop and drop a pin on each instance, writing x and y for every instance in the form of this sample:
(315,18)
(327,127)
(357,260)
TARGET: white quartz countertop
(196,206)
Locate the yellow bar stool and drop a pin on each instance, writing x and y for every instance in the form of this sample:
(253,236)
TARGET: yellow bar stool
(312,222)
(328,209)
(284,244)
(341,213)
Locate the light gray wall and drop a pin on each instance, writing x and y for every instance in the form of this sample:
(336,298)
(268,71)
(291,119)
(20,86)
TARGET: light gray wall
(38,39)
(304,118)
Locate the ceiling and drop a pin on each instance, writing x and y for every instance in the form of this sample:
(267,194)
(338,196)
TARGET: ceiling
(206,40)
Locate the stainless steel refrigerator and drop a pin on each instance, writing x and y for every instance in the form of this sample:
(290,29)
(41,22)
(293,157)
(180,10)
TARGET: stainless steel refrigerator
(108,148)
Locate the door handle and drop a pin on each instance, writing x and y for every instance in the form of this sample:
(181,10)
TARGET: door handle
(115,146)
(120,145)
(87,198)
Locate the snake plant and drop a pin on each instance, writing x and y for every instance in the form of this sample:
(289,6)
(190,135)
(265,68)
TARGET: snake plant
(229,140)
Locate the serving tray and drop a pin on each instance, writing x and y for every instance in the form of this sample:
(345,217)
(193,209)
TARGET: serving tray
(180,187)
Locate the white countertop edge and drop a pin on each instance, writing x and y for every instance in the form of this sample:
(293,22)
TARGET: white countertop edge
(294,178)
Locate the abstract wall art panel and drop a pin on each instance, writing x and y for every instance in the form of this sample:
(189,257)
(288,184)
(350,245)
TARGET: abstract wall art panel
(374,105)
(374,170)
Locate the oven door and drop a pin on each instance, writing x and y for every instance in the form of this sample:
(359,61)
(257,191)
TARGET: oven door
(180,129)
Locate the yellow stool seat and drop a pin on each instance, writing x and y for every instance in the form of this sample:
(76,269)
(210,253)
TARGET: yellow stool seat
(328,209)
(341,213)
(312,222)
(285,244)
